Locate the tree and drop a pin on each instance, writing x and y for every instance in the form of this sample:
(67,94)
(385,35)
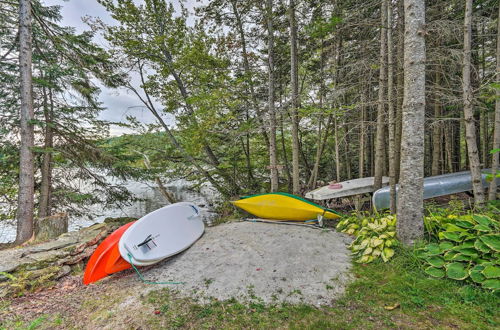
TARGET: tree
(273,160)
(468,99)
(410,225)
(492,194)
(379,147)
(26,193)
(294,71)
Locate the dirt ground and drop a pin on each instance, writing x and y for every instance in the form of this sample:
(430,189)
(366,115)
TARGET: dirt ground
(248,261)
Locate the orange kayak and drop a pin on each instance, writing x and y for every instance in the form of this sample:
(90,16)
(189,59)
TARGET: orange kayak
(106,259)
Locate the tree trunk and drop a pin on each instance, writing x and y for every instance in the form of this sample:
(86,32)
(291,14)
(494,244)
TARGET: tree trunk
(470,127)
(294,72)
(400,84)
(392,119)
(362,136)
(337,151)
(496,137)
(25,207)
(50,227)
(436,130)
(273,161)
(44,209)
(410,226)
(379,140)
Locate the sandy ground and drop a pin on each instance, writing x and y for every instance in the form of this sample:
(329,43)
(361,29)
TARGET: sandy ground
(247,261)
(271,262)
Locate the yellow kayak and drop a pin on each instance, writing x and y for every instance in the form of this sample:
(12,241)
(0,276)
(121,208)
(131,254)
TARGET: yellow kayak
(283,206)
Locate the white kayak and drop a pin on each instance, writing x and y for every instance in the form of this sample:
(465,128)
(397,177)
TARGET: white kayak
(161,234)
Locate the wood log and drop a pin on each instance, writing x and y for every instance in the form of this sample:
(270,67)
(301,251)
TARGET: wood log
(51,227)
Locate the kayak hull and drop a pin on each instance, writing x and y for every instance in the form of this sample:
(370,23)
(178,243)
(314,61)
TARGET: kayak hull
(97,267)
(283,207)
(161,234)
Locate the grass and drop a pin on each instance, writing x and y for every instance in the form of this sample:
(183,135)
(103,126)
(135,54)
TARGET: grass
(416,300)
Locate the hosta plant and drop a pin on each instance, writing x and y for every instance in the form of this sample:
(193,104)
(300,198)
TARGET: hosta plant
(467,249)
(375,237)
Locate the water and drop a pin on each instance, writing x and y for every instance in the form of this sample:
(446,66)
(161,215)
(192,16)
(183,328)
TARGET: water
(152,199)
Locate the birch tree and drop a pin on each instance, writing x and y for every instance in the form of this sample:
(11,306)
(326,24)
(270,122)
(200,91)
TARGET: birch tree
(410,226)
(468,99)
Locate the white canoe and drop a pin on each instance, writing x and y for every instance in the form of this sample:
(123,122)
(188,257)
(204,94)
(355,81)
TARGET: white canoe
(161,234)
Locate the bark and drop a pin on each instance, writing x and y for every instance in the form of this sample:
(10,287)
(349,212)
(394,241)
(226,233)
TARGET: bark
(436,130)
(379,140)
(26,192)
(392,119)
(45,207)
(294,75)
(400,83)
(273,160)
(338,164)
(362,137)
(470,127)
(496,137)
(410,225)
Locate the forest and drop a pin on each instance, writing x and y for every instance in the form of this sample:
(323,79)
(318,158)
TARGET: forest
(254,97)
(265,96)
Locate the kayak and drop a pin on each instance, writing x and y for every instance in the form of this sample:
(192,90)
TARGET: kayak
(284,207)
(161,234)
(105,260)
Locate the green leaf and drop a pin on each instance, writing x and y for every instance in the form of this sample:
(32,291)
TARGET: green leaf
(435,272)
(387,254)
(445,246)
(492,241)
(480,246)
(476,276)
(493,284)
(450,235)
(482,228)
(436,261)
(469,252)
(450,255)
(433,249)
(464,224)
(461,257)
(451,228)
(482,219)
(457,271)
(491,271)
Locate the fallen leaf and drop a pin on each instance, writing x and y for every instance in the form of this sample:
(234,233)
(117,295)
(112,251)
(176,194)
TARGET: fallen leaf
(391,307)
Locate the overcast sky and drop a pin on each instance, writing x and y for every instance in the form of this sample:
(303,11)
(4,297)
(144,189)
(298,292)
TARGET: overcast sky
(118,103)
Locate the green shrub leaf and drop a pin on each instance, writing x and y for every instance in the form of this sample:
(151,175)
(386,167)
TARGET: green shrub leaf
(445,246)
(436,261)
(482,228)
(435,272)
(450,235)
(457,271)
(480,246)
(464,224)
(491,271)
(493,284)
(492,241)
(482,219)
(476,276)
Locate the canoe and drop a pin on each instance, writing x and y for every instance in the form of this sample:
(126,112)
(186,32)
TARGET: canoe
(104,261)
(284,207)
(161,233)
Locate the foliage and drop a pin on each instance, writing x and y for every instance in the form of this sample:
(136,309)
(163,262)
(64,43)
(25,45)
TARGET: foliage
(466,248)
(375,237)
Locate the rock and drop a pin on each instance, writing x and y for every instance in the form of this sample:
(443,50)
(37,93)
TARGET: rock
(65,270)
(51,227)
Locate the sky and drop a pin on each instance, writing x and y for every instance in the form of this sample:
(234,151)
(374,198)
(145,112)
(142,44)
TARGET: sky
(118,103)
